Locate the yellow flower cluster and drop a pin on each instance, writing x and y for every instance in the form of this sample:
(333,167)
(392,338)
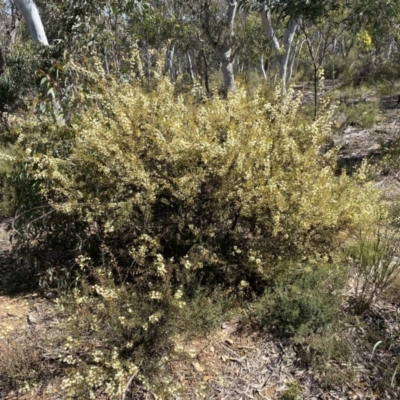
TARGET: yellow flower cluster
(364,39)
(167,187)
(184,171)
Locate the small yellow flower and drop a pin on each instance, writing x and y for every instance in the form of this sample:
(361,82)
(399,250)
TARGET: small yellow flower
(155,317)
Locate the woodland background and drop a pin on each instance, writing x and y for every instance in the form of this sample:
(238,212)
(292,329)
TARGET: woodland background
(200,199)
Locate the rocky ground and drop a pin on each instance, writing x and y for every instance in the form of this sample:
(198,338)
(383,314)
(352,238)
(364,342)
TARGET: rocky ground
(241,365)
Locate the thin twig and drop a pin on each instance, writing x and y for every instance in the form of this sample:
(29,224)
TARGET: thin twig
(130,381)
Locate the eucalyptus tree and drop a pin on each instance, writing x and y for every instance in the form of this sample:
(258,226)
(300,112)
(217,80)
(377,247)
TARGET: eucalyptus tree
(282,52)
(171,27)
(84,24)
(382,20)
(367,41)
(292,13)
(8,23)
(31,15)
(200,32)
(220,34)
(320,37)
(77,30)
(5,22)
(255,53)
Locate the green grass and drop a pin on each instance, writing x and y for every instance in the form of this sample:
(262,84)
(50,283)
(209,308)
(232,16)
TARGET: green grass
(356,109)
(292,392)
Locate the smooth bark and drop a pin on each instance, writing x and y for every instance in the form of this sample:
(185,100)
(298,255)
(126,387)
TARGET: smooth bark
(269,29)
(227,70)
(287,45)
(283,56)
(263,67)
(31,15)
(190,67)
(390,48)
(169,62)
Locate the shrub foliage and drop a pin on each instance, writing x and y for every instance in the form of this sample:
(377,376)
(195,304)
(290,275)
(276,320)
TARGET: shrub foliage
(181,185)
(142,198)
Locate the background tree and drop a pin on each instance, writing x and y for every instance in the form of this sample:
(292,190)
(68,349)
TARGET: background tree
(292,13)
(219,31)
(200,40)
(31,15)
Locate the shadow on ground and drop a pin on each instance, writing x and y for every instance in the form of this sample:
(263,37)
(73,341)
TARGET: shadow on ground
(14,279)
(389,102)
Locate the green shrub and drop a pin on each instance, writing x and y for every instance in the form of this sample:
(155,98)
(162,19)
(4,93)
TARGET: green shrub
(145,199)
(360,113)
(6,190)
(331,352)
(19,78)
(113,332)
(22,365)
(306,300)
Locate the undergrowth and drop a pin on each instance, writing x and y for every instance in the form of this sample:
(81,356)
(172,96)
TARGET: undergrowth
(158,212)
(22,365)
(306,300)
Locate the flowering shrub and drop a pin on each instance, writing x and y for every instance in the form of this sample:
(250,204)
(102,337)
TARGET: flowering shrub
(146,194)
(364,40)
(120,341)
(182,185)
(111,334)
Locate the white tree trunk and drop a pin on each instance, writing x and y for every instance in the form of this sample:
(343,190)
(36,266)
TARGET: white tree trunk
(269,29)
(390,49)
(169,61)
(293,55)
(31,15)
(223,47)
(227,69)
(287,44)
(282,56)
(263,67)
(190,66)
(106,65)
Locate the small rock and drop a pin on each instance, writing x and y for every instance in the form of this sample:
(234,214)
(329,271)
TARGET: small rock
(31,320)
(374,149)
(11,315)
(197,367)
